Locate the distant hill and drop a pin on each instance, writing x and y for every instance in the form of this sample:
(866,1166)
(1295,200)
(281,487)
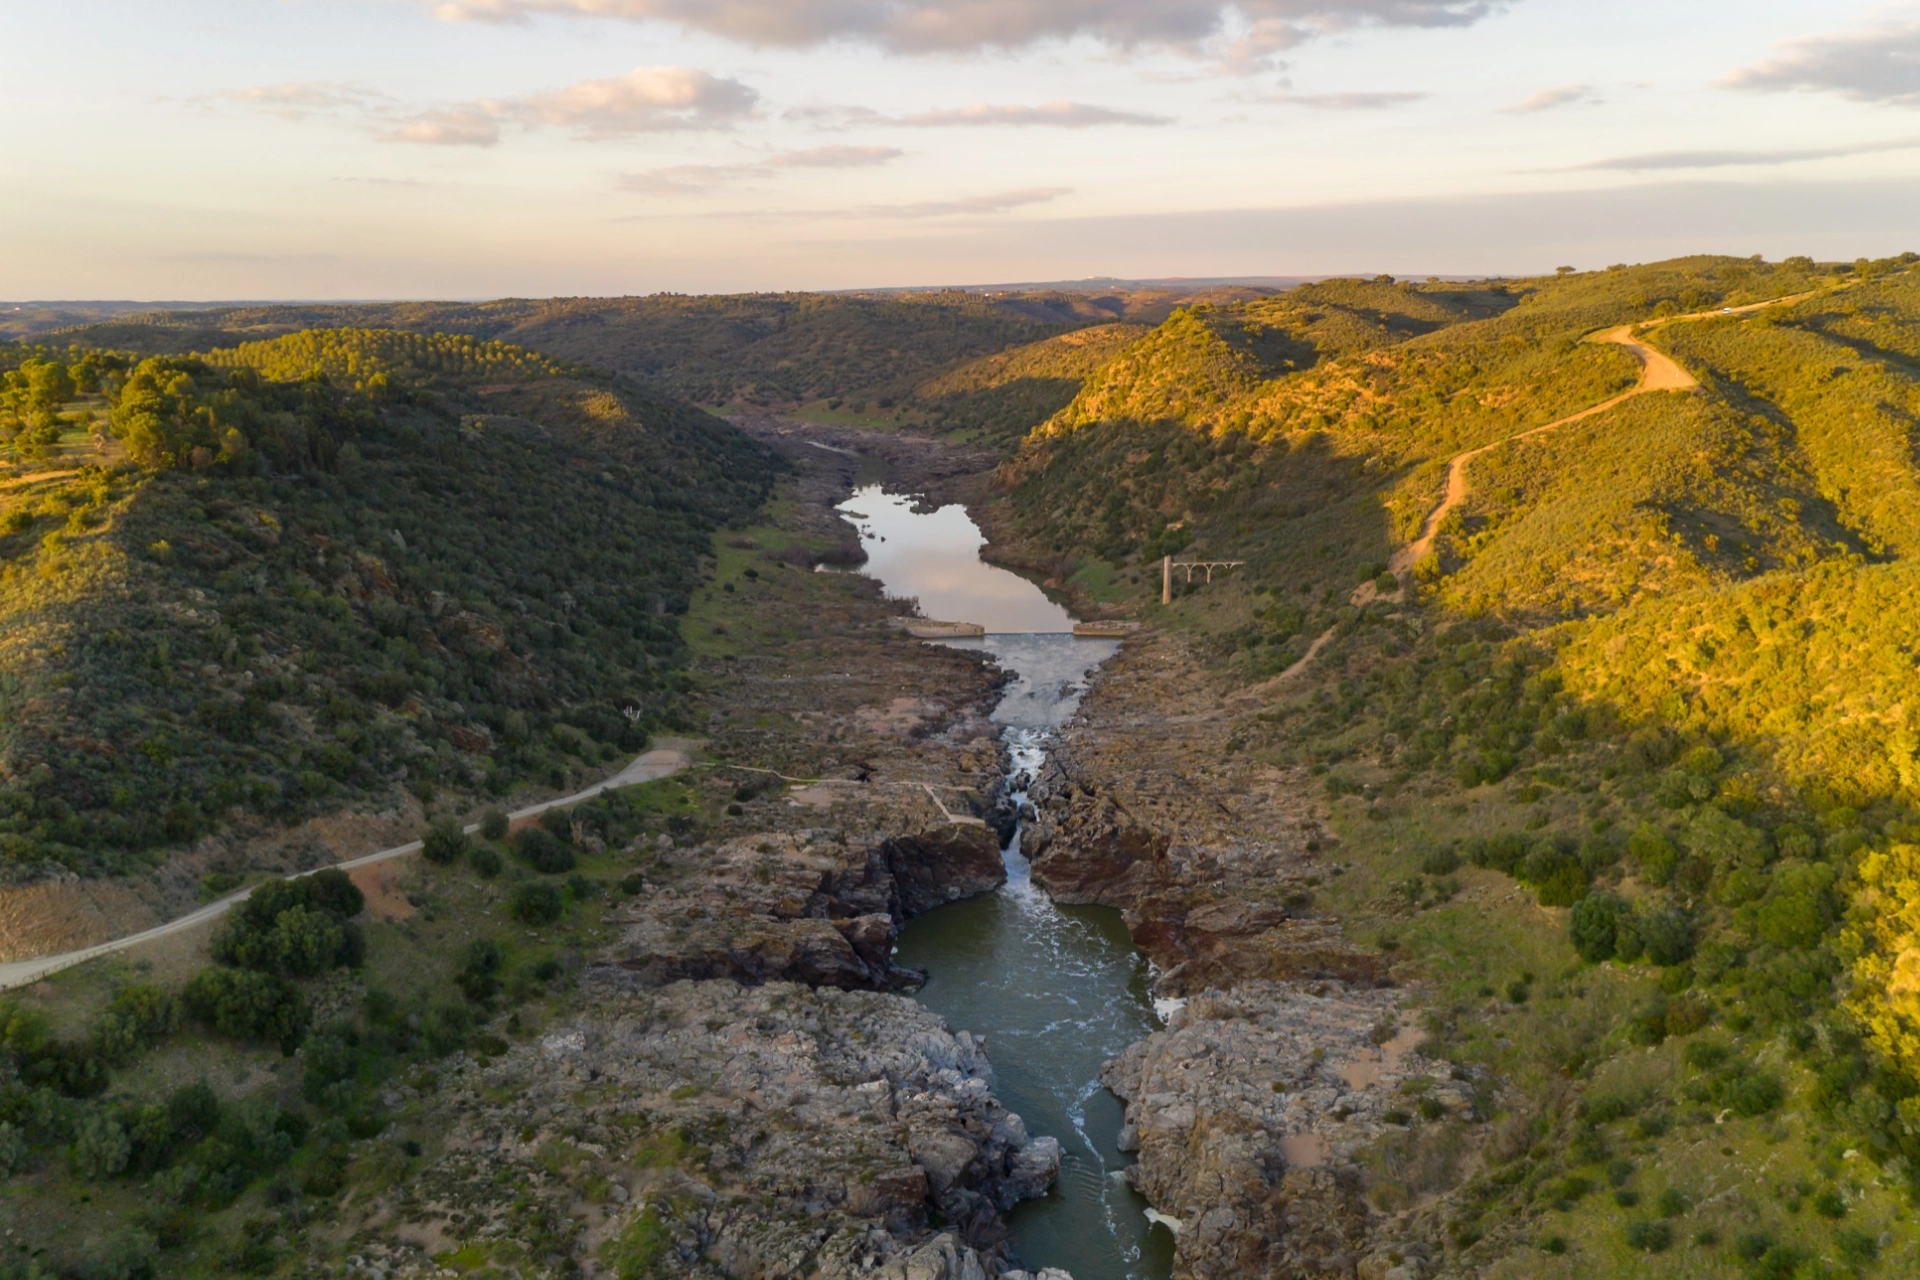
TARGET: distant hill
(260,583)
(860,355)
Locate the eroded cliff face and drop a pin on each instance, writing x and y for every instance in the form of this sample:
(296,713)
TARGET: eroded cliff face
(1284,1119)
(812,905)
(1141,807)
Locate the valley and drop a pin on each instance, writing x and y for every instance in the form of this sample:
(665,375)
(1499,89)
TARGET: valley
(1507,871)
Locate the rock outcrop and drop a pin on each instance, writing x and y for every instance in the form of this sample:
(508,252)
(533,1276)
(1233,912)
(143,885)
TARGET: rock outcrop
(800,906)
(702,1129)
(1250,1113)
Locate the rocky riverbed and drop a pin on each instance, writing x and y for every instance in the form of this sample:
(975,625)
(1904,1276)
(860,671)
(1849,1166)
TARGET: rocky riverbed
(1286,1119)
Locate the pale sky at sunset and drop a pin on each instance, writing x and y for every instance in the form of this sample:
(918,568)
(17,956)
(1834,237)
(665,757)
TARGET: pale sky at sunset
(198,149)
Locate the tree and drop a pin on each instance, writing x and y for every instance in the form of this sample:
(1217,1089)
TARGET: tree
(444,843)
(248,1005)
(1595,924)
(535,903)
(538,848)
(1668,935)
(1564,271)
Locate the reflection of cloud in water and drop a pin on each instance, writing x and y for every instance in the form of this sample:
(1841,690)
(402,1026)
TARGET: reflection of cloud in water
(935,557)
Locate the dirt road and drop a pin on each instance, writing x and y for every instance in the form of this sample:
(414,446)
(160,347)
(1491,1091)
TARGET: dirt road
(1658,372)
(656,764)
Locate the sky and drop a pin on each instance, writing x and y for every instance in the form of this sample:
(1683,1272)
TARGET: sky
(268,149)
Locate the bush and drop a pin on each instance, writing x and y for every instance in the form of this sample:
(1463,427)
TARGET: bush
(445,1029)
(1667,934)
(486,863)
(493,825)
(444,842)
(1594,925)
(100,1150)
(294,927)
(477,972)
(193,1112)
(248,1005)
(136,1017)
(535,903)
(1654,852)
(1440,862)
(1672,1203)
(1857,1248)
(1649,1237)
(538,848)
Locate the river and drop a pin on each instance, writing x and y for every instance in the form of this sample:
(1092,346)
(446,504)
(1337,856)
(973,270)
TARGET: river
(1055,990)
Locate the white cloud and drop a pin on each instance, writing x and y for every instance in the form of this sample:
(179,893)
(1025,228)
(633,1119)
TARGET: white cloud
(296,99)
(999,202)
(1242,33)
(473,125)
(1729,158)
(699,179)
(646,100)
(836,157)
(1561,95)
(1376,101)
(1062,115)
(1875,64)
(687,179)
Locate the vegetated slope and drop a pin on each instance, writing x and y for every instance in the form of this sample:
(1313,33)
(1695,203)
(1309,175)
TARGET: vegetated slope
(1333,408)
(1660,670)
(315,570)
(1002,397)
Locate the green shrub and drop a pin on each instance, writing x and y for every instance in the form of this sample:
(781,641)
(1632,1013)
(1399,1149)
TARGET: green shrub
(1667,934)
(101,1149)
(535,903)
(1649,1237)
(477,971)
(1594,925)
(493,825)
(133,1020)
(1857,1248)
(297,928)
(486,863)
(444,842)
(248,1005)
(538,848)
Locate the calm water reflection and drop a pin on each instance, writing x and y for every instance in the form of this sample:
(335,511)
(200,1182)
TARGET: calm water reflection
(936,558)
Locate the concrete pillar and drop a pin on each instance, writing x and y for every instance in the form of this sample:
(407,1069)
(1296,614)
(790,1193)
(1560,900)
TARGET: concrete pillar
(1166,579)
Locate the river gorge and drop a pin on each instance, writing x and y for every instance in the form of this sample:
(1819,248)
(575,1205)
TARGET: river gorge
(1055,991)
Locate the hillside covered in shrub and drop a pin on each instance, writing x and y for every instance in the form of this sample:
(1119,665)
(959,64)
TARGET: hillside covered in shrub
(270,580)
(1658,668)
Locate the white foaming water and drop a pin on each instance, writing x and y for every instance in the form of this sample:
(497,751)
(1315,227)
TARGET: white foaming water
(1055,990)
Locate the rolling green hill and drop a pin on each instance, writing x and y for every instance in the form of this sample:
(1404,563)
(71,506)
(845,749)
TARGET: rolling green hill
(280,578)
(1659,666)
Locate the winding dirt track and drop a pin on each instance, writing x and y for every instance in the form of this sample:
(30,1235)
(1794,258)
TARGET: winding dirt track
(1658,372)
(649,767)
